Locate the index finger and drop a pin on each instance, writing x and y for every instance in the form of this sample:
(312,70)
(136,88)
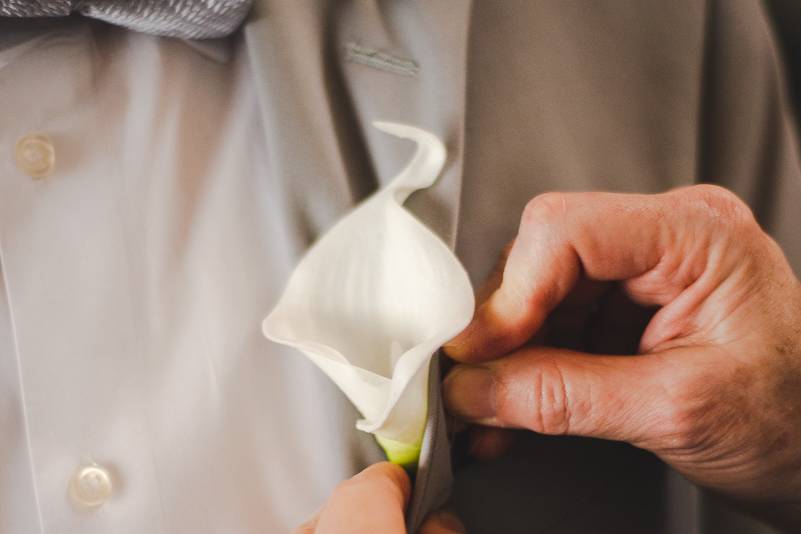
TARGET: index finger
(654,242)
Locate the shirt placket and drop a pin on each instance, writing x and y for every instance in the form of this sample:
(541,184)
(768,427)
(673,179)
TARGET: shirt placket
(69,345)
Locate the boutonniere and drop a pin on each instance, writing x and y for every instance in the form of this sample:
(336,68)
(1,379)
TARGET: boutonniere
(374,298)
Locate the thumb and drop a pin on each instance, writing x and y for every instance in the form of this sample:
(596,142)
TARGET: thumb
(556,391)
(372,501)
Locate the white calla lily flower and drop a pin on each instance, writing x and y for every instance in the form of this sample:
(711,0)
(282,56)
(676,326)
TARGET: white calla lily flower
(374,299)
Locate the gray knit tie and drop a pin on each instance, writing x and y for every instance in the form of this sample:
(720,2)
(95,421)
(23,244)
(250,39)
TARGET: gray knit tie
(189,19)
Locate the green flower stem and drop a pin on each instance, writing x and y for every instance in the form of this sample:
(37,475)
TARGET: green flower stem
(405,455)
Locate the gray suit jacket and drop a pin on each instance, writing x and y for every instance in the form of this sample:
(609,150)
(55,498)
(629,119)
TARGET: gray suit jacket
(531,96)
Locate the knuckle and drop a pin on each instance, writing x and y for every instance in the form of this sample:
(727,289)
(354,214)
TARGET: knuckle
(720,204)
(684,417)
(540,401)
(545,209)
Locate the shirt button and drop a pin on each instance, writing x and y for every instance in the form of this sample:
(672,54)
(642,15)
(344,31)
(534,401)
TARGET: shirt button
(35,155)
(91,486)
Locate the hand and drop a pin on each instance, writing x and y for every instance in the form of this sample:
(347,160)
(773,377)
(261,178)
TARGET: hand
(374,501)
(715,390)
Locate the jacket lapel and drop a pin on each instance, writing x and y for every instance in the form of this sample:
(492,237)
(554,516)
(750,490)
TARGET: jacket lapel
(406,62)
(325,71)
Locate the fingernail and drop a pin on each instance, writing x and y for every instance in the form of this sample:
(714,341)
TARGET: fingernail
(456,346)
(469,392)
(450,522)
(452,346)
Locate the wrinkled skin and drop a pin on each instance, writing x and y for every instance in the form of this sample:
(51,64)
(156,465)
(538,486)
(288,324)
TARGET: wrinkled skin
(714,388)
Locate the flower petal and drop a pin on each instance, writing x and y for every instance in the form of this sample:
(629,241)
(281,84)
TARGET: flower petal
(375,297)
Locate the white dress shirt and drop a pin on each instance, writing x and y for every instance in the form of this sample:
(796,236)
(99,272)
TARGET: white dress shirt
(140,249)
